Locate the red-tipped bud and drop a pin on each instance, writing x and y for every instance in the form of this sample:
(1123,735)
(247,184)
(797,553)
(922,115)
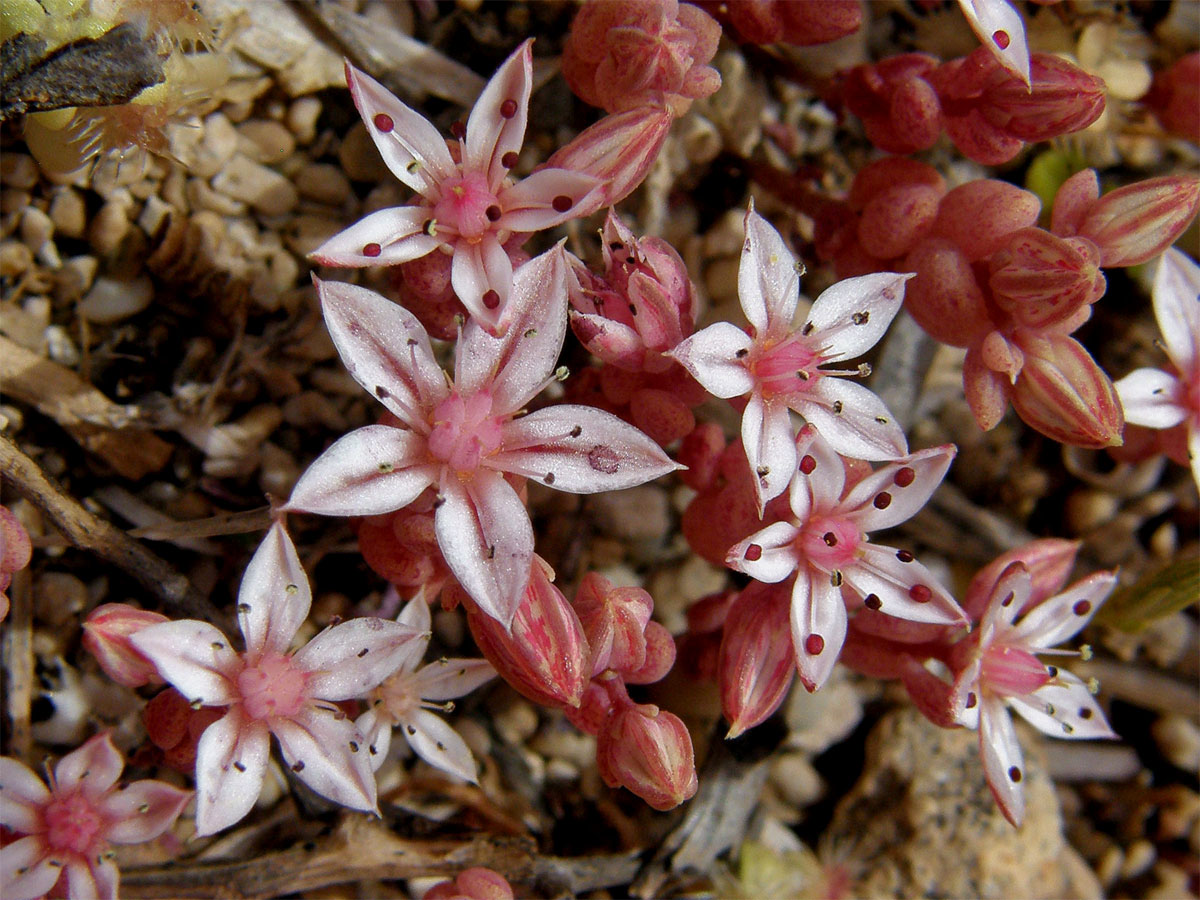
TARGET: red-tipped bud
(896,218)
(619,150)
(648,751)
(1049,561)
(660,656)
(1137,222)
(1074,198)
(614,621)
(1044,281)
(945,297)
(1062,393)
(898,107)
(15,552)
(402,547)
(477,883)
(623,55)
(802,24)
(700,452)
(757,663)
(545,655)
(980,215)
(987,390)
(106,634)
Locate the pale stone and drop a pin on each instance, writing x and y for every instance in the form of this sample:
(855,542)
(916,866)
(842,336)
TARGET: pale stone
(216,147)
(61,597)
(324,183)
(360,157)
(1179,740)
(68,212)
(153,215)
(302,118)
(200,195)
(18,171)
(60,347)
(266,141)
(111,300)
(109,227)
(266,190)
(638,515)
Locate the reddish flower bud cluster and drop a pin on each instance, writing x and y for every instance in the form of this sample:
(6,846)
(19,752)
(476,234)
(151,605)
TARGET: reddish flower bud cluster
(476,883)
(15,552)
(774,21)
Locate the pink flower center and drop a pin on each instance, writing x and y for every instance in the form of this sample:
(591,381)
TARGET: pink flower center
(468,206)
(1012,672)
(273,688)
(72,823)
(398,696)
(830,542)
(787,368)
(464,431)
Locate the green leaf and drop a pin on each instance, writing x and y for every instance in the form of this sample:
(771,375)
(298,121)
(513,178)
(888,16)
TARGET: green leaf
(1165,591)
(1047,172)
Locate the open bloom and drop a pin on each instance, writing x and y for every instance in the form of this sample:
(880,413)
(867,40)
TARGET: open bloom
(998,669)
(1158,399)
(468,205)
(68,827)
(781,368)
(269,691)
(465,436)
(405,699)
(824,544)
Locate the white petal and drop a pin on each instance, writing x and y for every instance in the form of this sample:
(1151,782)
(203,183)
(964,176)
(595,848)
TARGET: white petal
(529,204)
(776,558)
(1177,308)
(416,614)
(231,762)
(351,658)
(820,491)
(881,572)
(515,367)
(385,349)
(275,596)
(1003,764)
(372,470)
(850,317)
(25,873)
(439,745)
(476,269)
(397,234)
(711,356)
(1064,615)
(95,767)
(579,449)
(93,879)
(330,755)
(377,733)
(489,133)
(854,421)
(1009,595)
(1194,451)
(864,501)
(768,280)
(990,18)
(142,811)
(448,679)
(770,445)
(484,533)
(194,657)
(1064,708)
(818,612)
(22,794)
(1150,397)
(411,139)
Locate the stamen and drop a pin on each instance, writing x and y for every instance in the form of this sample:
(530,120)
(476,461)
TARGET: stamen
(971,700)
(904,556)
(861,318)
(459,130)
(508,108)
(562,203)
(807,465)
(372,250)
(882,500)
(491,299)
(1082,607)
(872,601)
(920,593)
(383,122)
(814,644)
(509,160)
(830,539)
(1015,774)
(904,476)
(753,553)
(493,213)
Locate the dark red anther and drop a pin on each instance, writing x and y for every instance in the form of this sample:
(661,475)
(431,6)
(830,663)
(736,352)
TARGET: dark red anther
(562,203)
(883,500)
(508,108)
(904,476)
(872,601)
(372,250)
(1082,607)
(509,159)
(814,644)
(753,553)
(383,122)
(807,465)
(1001,39)
(920,593)
(459,130)
(493,213)
(491,299)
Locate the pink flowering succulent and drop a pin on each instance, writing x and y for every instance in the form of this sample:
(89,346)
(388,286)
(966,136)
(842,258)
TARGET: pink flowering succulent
(64,831)
(268,690)
(464,438)
(998,669)
(621,55)
(824,545)
(405,699)
(15,552)
(783,368)
(1155,398)
(467,203)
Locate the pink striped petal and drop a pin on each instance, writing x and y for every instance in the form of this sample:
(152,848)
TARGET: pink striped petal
(1064,708)
(1003,764)
(95,767)
(850,317)
(1150,397)
(1176,289)
(476,269)
(818,627)
(769,555)
(546,198)
(496,125)
(384,238)
(714,358)
(143,810)
(1063,616)
(768,280)
(377,732)
(854,421)
(902,586)
(23,794)
(231,762)
(819,489)
(770,445)
(439,745)
(448,679)
(873,511)
(25,873)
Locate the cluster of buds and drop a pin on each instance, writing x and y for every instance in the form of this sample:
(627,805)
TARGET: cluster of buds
(905,102)
(775,21)
(988,279)
(15,552)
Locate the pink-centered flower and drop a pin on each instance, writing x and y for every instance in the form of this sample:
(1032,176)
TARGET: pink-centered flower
(825,546)
(998,669)
(405,698)
(467,203)
(1158,399)
(270,691)
(465,437)
(782,368)
(65,830)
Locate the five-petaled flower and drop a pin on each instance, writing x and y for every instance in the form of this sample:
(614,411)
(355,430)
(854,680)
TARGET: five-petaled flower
(467,204)
(464,437)
(825,545)
(405,698)
(68,827)
(1158,399)
(782,368)
(269,691)
(997,668)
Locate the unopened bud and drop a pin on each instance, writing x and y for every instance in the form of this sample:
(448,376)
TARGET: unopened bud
(757,663)
(648,751)
(1137,222)
(106,634)
(476,883)
(1044,281)
(1065,395)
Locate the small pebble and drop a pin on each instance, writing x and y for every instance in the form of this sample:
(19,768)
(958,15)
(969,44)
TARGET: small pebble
(266,141)
(60,347)
(1179,739)
(15,259)
(265,189)
(359,157)
(36,228)
(61,597)
(75,277)
(1139,857)
(153,214)
(109,227)
(18,171)
(324,183)
(201,196)
(302,118)
(216,147)
(110,300)
(514,718)
(68,212)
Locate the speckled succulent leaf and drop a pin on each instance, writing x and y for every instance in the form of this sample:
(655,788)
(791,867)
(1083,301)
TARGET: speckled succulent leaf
(1000,28)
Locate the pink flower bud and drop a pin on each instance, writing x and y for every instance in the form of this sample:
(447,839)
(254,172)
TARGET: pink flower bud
(757,663)
(802,24)
(621,55)
(614,621)
(106,633)
(987,390)
(889,172)
(1137,222)
(897,105)
(1062,393)
(545,655)
(1175,97)
(660,656)
(945,297)
(660,415)
(619,150)
(476,883)
(1044,281)
(1072,201)
(980,215)
(648,751)
(700,451)
(1049,561)
(15,552)
(600,698)
(896,218)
